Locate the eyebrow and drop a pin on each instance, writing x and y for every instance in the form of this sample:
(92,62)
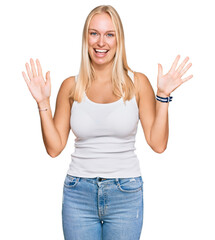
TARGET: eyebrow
(97,30)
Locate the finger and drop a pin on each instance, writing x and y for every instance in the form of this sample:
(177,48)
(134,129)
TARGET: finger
(48,79)
(33,68)
(39,68)
(30,75)
(175,63)
(160,70)
(26,79)
(187,78)
(185,70)
(182,64)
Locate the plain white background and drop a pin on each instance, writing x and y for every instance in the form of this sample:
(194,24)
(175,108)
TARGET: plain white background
(178,184)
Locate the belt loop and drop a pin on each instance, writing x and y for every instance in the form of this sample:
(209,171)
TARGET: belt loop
(117,180)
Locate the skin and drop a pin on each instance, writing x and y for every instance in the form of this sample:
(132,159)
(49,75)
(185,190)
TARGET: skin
(153,114)
(102,36)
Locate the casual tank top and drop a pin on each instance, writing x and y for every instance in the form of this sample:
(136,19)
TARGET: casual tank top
(105,138)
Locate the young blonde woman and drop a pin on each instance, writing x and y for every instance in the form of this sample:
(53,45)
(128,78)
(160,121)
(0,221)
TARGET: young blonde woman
(103,188)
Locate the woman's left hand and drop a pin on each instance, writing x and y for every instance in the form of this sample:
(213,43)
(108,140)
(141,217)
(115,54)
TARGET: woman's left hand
(169,82)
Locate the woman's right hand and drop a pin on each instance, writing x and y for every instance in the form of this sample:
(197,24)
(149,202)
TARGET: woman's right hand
(39,88)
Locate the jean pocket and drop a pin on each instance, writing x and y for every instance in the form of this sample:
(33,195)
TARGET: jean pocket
(71,181)
(133,184)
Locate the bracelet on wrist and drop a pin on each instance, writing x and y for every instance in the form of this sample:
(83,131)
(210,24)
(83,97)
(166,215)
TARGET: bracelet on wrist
(43,106)
(165,100)
(42,109)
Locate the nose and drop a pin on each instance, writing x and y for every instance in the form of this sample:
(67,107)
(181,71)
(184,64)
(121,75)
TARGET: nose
(101,41)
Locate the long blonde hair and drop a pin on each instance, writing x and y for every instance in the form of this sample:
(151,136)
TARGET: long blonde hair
(121,82)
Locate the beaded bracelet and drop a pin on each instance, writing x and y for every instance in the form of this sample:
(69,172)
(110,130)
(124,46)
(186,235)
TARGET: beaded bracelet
(165,100)
(44,109)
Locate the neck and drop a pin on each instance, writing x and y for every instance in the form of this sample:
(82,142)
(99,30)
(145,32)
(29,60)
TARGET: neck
(103,73)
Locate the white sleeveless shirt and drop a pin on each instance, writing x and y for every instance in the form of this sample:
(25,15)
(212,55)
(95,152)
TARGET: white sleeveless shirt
(105,138)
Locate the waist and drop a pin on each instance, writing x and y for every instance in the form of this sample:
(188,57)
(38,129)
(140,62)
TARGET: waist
(104,148)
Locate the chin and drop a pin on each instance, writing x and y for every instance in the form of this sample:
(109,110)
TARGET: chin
(100,61)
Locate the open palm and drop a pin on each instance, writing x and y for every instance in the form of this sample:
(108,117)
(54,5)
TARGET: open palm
(169,82)
(39,88)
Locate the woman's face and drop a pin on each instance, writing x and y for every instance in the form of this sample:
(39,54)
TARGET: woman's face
(101,39)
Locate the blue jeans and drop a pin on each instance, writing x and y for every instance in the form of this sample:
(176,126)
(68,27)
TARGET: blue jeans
(102,209)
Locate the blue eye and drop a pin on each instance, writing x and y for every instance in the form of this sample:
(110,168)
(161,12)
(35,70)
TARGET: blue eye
(93,33)
(110,35)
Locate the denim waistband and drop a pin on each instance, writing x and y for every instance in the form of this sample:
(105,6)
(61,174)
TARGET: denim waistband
(101,179)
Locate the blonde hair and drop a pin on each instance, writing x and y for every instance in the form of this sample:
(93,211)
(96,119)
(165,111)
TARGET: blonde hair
(121,82)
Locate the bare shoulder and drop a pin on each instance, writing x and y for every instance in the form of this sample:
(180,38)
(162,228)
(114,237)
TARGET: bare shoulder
(67,84)
(142,80)
(139,75)
(65,91)
(143,85)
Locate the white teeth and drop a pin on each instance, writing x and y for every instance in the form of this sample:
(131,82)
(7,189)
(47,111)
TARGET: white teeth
(98,50)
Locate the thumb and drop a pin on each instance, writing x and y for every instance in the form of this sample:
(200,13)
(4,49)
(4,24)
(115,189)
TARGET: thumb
(48,79)
(160,70)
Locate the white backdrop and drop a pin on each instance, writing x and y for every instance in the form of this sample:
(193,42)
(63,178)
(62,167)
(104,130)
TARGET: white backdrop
(178,184)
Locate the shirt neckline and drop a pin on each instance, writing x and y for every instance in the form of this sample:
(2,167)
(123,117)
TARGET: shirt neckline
(119,100)
(103,104)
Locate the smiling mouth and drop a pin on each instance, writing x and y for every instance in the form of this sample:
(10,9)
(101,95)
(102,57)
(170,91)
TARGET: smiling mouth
(101,50)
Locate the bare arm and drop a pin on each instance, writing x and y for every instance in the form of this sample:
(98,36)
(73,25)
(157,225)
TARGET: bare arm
(148,109)
(55,130)
(154,114)
(51,136)
(160,128)
(63,111)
